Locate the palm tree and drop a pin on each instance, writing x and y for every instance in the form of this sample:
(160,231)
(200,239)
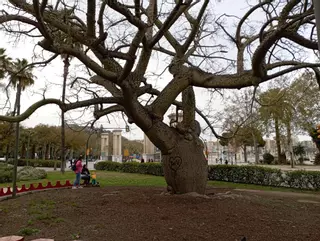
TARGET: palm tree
(276,107)
(5,63)
(20,77)
(66,39)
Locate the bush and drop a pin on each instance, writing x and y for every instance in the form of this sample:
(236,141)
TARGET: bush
(301,160)
(31,173)
(37,163)
(268,158)
(265,176)
(151,168)
(26,173)
(6,172)
(317,159)
(108,166)
(257,175)
(246,174)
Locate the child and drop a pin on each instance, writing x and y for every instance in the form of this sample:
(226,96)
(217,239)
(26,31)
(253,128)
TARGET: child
(94,178)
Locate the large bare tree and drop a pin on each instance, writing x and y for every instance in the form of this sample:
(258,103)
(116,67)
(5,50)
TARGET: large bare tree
(184,31)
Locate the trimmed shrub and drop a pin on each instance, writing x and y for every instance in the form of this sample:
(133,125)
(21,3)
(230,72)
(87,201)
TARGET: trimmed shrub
(6,172)
(151,168)
(268,158)
(317,159)
(26,173)
(266,176)
(31,173)
(108,166)
(37,163)
(246,174)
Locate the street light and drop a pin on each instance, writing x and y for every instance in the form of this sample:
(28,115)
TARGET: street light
(87,145)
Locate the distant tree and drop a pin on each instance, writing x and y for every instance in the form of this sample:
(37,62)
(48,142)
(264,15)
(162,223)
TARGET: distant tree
(276,109)
(21,76)
(299,150)
(133,146)
(66,58)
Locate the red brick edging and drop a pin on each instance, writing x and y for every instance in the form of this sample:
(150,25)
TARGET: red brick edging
(33,187)
(19,238)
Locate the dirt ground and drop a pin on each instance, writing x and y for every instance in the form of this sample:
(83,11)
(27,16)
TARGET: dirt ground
(132,213)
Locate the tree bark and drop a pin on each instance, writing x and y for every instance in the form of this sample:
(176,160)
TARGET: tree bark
(63,139)
(276,125)
(289,143)
(7,152)
(33,152)
(245,153)
(256,148)
(16,148)
(23,150)
(186,168)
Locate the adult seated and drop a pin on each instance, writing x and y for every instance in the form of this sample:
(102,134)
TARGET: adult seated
(85,175)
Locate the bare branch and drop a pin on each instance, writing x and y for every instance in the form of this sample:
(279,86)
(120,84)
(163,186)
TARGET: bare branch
(100,113)
(91,18)
(122,9)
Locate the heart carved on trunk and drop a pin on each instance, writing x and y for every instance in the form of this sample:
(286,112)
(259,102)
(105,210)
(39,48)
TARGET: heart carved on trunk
(175,163)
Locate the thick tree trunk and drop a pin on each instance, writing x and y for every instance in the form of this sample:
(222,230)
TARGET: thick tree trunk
(276,124)
(186,168)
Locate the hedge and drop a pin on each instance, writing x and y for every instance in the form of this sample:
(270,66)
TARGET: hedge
(266,176)
(37,163)
(257,175)
(150,168)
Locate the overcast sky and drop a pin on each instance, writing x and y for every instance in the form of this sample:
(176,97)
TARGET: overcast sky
(50,78)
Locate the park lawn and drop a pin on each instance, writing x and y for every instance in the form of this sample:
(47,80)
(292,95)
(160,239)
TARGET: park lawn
(106,178)
(103,177)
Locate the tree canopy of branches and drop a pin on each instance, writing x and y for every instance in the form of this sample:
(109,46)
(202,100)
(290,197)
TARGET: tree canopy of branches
(181,30)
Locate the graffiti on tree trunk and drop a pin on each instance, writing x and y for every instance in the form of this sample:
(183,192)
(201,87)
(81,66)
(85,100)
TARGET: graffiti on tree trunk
(175,163)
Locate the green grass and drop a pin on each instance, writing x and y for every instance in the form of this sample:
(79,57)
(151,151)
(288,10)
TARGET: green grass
(131,179)
(103,177)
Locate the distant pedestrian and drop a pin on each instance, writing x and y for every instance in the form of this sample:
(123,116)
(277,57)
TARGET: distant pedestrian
(77,168)
(142,160)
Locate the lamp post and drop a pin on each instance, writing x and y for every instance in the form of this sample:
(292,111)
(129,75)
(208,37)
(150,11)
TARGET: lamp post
(316,5)
(87,146)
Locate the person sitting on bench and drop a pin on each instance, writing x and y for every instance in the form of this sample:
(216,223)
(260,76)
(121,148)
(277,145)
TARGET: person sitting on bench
(85,175)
